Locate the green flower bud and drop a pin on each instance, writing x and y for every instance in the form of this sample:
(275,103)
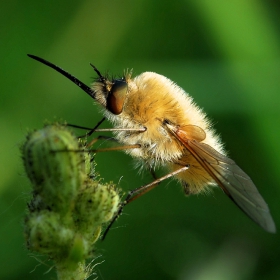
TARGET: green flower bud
(55,167)
(45,233)
(96,204)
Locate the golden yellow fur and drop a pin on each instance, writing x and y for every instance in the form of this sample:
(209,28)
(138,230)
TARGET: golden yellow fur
(151,99)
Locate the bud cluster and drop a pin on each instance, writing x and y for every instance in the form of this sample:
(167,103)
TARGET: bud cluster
(69,204)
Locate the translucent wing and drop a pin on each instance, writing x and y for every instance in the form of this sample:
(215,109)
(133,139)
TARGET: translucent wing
(231,178)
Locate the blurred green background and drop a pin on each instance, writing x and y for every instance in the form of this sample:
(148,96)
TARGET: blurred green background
(225,53)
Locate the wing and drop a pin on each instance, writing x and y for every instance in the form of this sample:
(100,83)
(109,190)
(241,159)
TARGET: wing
(231,178)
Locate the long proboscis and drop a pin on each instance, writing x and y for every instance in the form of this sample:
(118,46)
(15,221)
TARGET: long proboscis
(76,81)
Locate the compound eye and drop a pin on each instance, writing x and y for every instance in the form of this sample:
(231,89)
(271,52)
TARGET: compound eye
(116,97)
